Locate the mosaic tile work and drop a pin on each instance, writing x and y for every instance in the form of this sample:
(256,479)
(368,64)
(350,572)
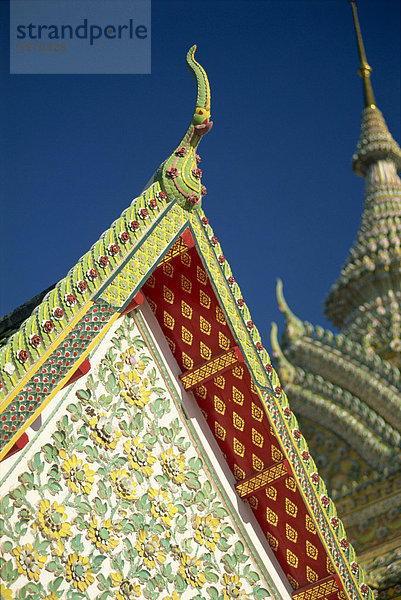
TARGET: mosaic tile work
(117,503)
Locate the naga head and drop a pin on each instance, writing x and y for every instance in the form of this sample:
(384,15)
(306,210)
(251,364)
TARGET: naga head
(201,120)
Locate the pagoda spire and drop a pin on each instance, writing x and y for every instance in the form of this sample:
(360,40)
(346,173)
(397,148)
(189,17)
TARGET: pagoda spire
(365,301)
(364,68)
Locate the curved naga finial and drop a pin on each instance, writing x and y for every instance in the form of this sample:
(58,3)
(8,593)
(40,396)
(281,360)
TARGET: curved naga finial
(179,175)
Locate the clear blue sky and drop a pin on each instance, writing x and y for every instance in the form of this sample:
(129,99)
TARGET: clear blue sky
(286,106)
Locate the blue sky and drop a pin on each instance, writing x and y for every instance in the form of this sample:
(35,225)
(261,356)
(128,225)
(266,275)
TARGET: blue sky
(286,106)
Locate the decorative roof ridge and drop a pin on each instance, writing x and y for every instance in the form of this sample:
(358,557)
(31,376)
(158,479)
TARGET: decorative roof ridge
(354,351)
(294,327)
(176,181)
(348,401)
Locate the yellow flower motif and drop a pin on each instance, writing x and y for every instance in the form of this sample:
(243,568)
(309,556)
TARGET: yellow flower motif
(127,358)
(78,475)
(51,596)
(206,531)
(232,587)
(101,535)
(161,506)
(173,465)
(29,562)
(139,457)
(126,589)
(78,571)
(124,485)
(103,432)
(175,596)
(51,520)
(5,593)
(190,571)
(149,548)
(132,393)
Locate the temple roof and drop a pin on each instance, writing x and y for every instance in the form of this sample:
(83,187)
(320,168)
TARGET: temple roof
(163,246)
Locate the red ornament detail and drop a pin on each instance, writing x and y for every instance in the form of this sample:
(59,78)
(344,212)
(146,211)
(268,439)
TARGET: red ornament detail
(192,199)
(58,313)
(296,433)
(161,195)
(181,151)
(364,589)
(113,249)
(324,500)
(81,286)
(70,299)
(250,325)
(35,340)
(344,543)
(92,274)
(205,221)
(22,356)
(173,172)
(124,236)
(269,368)
(203,190)
(278,390)
(197,158)
(214,241)
(143,213)
(354,566)
(259,346)
(134,225)
(287,412)
(103,261)
(305,455)
(221,259)
(197,173)
(241,302)
(231,280)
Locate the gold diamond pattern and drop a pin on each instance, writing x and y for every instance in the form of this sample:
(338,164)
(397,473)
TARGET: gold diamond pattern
(186,310)
(311,575)
(257,438)
(202,391)
(238,447)
(224,342)
(257,464)
(294,583)
(219,431)
(271,492)
(186,336)
(257,412)
(204,299)
(239,474)
(238,372)
(238,396)
(219,405)
(168,295)
(277,455)
(153,306)
(186,284)
(253,502)
(238,422)
(205,326)
(329,566)
(168,320)
(291,508)
(292,559)
(168,269)
(186,259)
(290,533)
(205,351)
(311,550)
(309,524)
(187,361)
(151,281)
(220,316)
(201,275)
(271,517)
(290,484)
(273,542)
(219,382)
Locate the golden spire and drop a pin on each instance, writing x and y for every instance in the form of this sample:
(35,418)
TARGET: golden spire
(364,69)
